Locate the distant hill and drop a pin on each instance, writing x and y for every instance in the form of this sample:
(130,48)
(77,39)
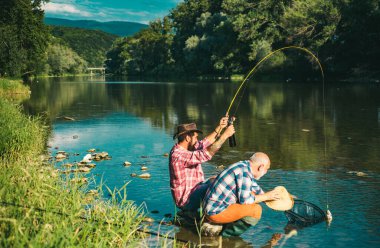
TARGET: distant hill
(115,27)
(91,45)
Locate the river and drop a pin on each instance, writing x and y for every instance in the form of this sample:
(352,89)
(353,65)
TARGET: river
(323,151)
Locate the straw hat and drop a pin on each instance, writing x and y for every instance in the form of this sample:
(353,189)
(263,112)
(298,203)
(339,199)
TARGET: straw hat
(285,202)
(186,128)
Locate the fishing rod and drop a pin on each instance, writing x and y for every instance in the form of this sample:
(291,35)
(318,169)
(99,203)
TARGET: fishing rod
(243,85)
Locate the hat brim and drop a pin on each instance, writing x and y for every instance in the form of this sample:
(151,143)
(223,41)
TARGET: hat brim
(187,131)
(285,202)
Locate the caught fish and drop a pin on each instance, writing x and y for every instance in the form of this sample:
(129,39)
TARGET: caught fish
(329,217)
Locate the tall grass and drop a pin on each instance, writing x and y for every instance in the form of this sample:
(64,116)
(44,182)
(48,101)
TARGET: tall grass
(12,87)
(40,207)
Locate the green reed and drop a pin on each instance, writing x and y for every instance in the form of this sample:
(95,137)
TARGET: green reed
(41,207)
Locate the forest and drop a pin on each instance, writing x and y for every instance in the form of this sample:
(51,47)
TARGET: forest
(202,38)
(227,37)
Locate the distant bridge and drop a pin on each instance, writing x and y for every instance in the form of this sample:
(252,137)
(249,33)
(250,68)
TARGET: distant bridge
(92,70)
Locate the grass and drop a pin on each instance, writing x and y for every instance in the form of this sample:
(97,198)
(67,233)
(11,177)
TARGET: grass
(12,87)
(41,207)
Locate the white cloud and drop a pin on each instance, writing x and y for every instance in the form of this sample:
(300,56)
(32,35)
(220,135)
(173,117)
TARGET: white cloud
(64,9)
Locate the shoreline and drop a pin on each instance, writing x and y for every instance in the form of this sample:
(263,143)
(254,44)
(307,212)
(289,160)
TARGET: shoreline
(51,208)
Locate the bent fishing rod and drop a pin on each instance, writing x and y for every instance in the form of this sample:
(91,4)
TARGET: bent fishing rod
(243,85)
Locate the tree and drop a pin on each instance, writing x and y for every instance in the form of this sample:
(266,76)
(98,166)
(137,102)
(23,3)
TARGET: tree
(23,37)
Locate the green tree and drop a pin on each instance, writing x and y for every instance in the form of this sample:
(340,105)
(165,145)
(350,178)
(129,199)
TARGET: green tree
(23,37)
(62,59)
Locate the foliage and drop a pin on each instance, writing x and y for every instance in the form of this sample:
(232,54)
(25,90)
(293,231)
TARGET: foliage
(62,59)
(227,37)
(148,52)
(23,37)
(40,208)
(91,45)
(11,87)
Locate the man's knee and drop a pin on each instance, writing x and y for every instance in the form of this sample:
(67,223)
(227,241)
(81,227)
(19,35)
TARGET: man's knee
(256,211)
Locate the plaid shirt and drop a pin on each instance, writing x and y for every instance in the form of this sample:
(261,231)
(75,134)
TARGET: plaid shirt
(234,185)
(186,170)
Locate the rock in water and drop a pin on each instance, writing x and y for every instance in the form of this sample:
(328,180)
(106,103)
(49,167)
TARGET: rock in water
(145,175)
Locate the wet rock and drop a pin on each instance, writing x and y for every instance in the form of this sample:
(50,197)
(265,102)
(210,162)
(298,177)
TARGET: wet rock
(148,219)
(166,223)
(103,154)
(68,165)
(91,150)
(61,152)
(81,164)
(60,156)
(133,175)
(126,163)
(84,169)
(87,158)
(108,158)
(154,211)
(68,118)
(145,176)
(361,174)
(91,165)
(144,156)
(144,168)
(166,155)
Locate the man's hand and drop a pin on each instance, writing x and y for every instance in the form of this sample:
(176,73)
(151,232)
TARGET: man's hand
(229,131)
(273,195)
(223,122)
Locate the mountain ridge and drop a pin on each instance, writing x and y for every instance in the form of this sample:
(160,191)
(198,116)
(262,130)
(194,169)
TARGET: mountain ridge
(120,28)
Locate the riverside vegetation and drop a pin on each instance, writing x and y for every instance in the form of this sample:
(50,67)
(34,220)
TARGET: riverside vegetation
(40,207)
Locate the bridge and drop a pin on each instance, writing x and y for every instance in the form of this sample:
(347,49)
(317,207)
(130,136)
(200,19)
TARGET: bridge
(92,70)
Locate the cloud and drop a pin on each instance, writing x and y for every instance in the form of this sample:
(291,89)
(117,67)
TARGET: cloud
(64,9)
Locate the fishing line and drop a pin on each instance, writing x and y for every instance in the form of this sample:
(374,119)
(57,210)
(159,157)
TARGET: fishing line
(243,86)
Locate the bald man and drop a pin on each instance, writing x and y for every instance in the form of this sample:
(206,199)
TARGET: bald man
(235,194)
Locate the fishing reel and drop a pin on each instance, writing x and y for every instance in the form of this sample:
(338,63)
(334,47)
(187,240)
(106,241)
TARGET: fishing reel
(231,140)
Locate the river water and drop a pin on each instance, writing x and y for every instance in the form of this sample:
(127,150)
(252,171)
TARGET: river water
(325,152)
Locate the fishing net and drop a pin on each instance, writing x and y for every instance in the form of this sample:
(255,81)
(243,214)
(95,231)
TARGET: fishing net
(305,214)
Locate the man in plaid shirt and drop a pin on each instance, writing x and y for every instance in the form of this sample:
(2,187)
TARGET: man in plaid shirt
(187,182)
(234,194)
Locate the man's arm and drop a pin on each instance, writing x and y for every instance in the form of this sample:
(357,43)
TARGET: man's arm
(212,137)
(212,149)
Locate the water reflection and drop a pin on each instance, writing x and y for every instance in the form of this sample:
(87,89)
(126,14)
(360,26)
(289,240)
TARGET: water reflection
(135,121)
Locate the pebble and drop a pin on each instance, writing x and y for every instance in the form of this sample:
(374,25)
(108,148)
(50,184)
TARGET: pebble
(126,163)
(145,176)
(166,155)
(91,150)
(305,130)
(144,168)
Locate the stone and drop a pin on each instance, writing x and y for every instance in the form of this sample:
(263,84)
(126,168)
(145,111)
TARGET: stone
(126,163)
(91,150)
(84,169)
(166,155)
(60,156)
(145,176)
(144,168)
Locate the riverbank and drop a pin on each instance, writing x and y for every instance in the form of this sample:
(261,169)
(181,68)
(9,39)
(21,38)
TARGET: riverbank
(41,207)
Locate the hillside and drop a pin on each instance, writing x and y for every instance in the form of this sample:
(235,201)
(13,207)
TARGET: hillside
(91,45)
(115,27)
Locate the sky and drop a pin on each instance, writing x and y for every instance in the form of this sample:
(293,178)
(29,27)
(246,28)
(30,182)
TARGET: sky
(142,11)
